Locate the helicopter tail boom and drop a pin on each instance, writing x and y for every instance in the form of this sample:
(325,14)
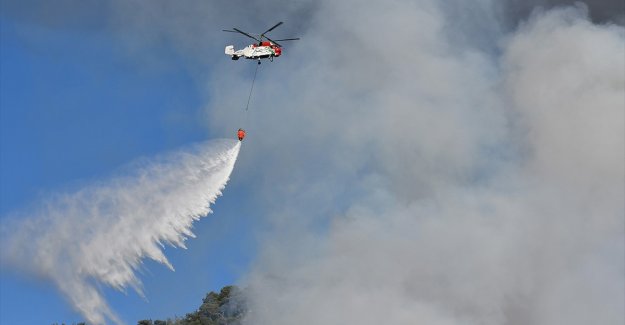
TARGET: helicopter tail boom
(235,55)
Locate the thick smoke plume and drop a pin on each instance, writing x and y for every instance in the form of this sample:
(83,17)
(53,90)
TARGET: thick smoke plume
(101,232)
(445,170)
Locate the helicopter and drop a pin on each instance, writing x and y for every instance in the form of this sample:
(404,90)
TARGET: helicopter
(266,48)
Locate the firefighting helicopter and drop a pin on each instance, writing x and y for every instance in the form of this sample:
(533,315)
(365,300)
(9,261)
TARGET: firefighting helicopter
(266,48)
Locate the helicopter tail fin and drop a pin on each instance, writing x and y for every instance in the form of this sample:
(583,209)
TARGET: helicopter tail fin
(230,50)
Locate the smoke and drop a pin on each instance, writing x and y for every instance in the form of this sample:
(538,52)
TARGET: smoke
(424,180)
(101,232)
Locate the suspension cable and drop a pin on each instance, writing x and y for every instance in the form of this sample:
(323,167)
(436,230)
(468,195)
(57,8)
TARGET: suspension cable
(251,89)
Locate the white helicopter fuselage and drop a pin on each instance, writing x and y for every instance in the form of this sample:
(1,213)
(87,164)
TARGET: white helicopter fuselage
(252,52)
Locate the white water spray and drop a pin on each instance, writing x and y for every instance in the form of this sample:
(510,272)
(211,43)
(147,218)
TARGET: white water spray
(102,231)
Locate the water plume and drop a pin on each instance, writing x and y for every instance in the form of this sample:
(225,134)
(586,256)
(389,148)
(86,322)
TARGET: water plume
(102,231)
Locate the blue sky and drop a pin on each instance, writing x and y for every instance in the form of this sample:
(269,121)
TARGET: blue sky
(75,107)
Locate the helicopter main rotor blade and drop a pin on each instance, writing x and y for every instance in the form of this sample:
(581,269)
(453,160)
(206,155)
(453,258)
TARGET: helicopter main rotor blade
(246,34)
(230,31)
(270,29)
(288,39)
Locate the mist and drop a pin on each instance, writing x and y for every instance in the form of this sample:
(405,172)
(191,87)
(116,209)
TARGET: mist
(100,232)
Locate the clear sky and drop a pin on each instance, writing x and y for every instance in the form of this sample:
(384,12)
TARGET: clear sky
(75,108)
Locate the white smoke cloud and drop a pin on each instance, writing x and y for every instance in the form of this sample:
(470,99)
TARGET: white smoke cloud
(460,186)
(101,232)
